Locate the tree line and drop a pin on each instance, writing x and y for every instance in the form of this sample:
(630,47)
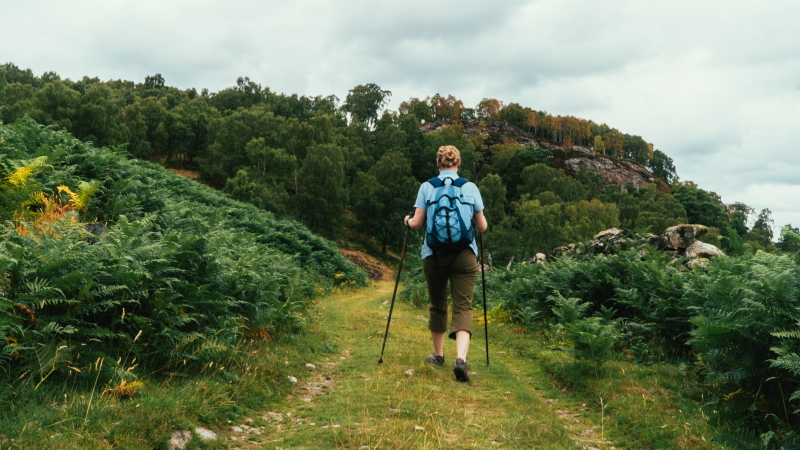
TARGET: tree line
(352,165)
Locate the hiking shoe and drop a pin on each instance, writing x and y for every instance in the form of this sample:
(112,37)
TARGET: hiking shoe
(461,370)
(436,359)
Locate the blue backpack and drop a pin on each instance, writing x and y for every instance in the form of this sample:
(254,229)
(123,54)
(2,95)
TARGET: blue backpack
(449,217)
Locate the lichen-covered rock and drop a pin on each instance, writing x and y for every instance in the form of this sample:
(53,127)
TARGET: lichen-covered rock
(703,250)
(609,241)
(680,237)
(564,249)
(180,439)
(539,258)
(697,262)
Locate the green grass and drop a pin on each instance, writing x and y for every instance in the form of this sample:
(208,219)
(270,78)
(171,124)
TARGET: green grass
(529,397)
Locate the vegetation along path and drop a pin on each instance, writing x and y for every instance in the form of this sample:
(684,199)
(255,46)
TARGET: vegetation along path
(349,400)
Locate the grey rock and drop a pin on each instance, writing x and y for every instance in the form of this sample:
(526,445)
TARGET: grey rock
(180,439)
(703,250)
(539,258)
(698,262)
(680,237)
(608,241)
(206,435)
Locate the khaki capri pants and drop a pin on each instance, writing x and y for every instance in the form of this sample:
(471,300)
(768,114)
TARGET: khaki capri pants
(461,270)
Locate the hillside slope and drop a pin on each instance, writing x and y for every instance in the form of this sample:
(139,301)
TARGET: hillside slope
(109,256)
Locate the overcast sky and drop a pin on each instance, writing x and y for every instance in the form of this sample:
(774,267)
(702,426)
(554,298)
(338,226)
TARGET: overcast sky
(714,84)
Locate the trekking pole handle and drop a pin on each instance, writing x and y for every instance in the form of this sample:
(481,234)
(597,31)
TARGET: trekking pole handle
(410,216)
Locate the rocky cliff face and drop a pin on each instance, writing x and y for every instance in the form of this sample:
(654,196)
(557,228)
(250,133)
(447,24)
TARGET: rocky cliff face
(614,170)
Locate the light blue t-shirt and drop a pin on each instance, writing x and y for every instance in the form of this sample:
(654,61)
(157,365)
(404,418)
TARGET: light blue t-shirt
(470,191)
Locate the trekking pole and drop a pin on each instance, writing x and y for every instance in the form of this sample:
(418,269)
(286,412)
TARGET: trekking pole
(396,283)
(483,283)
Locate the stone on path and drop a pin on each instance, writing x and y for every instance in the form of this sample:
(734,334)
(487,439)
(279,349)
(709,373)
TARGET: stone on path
(180,439)
(206,435)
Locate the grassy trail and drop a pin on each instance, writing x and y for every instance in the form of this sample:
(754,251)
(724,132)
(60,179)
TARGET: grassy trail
(348,400)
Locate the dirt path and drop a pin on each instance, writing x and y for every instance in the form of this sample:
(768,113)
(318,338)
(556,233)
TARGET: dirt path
(347,400)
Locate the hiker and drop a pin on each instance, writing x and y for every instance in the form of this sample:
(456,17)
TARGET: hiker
(459,266)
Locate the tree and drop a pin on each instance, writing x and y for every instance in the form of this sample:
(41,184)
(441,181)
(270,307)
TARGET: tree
(514,114)
(599,145)
(382,197)
(245,94)
(446,108)
(417,108)
(3,84)
(790,239)
(154,82)
(533,120)
(584,219)
(542,228)
(322,196)
(519,160)
(489,108)
(761,232)
(57,104)
(99,117)
(538,178)
(740,215)
(701,206)
(364,101)
(494,197)
(662,166)
(615,144)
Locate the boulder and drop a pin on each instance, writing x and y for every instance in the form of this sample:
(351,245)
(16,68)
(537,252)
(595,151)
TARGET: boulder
(539,258)
(700,262)
(610,240)
(206,434)
(703,250)
(180,439)
(564,249)
(680,237)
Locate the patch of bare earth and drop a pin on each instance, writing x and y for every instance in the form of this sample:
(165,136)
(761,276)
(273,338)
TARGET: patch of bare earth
(376,270)
(193,174)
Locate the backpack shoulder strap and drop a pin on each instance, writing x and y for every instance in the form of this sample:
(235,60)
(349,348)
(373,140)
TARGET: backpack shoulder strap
(460,182)
(436,182)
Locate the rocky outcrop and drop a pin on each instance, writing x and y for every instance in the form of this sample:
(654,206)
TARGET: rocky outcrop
(572,160)
(680,237)
(604,243)
(681,241)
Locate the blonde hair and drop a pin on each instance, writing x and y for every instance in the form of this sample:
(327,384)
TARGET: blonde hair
(448,156)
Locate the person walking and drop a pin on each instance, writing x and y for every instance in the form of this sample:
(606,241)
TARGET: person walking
(459,267)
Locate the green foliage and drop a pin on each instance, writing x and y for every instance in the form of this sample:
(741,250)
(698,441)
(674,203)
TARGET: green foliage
(734,322)
(322,196)
(494,197)
(381,199)
(176,276)
(364,101)
(790,240)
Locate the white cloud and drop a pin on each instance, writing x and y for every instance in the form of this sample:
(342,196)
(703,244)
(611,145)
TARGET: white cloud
(714,84)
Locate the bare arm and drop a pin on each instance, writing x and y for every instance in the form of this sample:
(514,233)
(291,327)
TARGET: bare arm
(480,222)
(416,222)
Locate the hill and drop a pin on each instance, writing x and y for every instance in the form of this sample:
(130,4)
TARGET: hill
(104,256)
